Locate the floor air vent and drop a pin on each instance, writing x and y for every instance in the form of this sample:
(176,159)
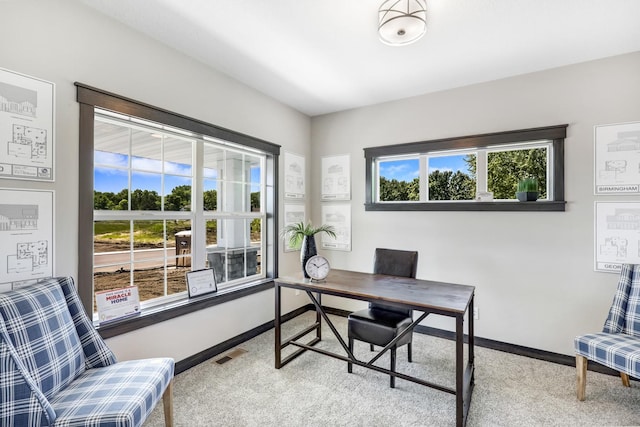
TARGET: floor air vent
(231,355)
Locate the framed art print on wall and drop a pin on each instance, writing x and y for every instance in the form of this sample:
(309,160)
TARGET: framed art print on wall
(27,118)
(617,158)
(294,173)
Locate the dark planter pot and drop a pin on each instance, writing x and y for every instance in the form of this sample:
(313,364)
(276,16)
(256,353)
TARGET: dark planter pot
(527,196)
(307,250)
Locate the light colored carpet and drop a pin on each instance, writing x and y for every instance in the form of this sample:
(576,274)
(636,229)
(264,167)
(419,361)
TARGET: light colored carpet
(315,390)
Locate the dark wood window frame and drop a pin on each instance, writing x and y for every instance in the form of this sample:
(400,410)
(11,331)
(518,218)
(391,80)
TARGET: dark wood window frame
(556,134)
(91,98)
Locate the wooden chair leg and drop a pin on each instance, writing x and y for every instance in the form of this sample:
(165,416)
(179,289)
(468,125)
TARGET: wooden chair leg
(581,370)
(393,367)
(625,379)
(409,352)
(349,364)
(167,401)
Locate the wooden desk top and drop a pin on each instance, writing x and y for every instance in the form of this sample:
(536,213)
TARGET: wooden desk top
(421,295)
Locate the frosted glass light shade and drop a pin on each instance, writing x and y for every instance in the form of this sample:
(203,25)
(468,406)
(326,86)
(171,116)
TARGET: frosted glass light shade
(402,22)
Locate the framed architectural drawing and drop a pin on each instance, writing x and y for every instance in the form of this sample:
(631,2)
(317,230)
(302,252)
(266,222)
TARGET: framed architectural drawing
(27,119)
(617,158)
(339,216)
(293,213)
(26,236)
(294,173)
(617,235)
(336,178)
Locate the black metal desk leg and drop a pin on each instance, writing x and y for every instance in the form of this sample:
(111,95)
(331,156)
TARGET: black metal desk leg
(459,370)
(319,318)
(277,331)
(471,335)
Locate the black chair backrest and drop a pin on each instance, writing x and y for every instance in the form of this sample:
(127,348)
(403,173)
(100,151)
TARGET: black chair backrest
(394,262)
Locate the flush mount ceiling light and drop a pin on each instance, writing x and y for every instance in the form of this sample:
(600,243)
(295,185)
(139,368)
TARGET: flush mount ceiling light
(402,22)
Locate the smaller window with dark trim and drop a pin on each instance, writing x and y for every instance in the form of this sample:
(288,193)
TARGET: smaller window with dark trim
(450,174)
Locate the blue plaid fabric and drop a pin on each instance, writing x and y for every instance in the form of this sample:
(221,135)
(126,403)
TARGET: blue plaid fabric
(96,352)
(617,351)
(21,402)
(120,395)
(40,329)
(618,345)
(616,320)
(81,384)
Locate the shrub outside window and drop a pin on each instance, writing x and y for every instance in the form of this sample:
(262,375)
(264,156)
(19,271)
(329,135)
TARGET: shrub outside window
(451,176)
(398,179)
(506,167)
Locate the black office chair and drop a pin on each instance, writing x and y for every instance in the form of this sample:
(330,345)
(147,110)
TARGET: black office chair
(381,323)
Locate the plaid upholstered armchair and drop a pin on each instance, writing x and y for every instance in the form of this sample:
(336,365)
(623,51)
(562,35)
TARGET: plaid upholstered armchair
(55,370)
(618,345)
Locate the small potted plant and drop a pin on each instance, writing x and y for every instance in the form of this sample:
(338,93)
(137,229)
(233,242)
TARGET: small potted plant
(305,233)
(527,190)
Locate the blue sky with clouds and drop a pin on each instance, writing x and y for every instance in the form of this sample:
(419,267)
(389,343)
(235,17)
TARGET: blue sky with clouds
(407,170)
(114,180)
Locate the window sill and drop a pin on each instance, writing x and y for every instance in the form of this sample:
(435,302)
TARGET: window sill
(506,206)
(184,306)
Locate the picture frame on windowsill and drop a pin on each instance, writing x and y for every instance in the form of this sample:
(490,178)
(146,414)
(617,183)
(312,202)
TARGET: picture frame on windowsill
(200,282)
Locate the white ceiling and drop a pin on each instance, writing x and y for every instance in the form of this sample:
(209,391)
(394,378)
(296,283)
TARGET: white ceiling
(322,56)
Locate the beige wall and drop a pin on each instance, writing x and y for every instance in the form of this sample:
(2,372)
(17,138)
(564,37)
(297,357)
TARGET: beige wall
(533,271)
(63,42)
(561,296)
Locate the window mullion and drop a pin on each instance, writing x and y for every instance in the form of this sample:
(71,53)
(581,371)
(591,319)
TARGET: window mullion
(376,179)
(163,199)
(481,171)
(129,207)
(198,226)
(550,175)
(424,178)
(131,247)
(130,169)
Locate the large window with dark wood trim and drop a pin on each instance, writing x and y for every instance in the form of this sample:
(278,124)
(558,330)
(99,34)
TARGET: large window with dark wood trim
(169,195)
(478,172)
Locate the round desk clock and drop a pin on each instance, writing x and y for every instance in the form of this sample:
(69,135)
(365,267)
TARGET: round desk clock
(317,267)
